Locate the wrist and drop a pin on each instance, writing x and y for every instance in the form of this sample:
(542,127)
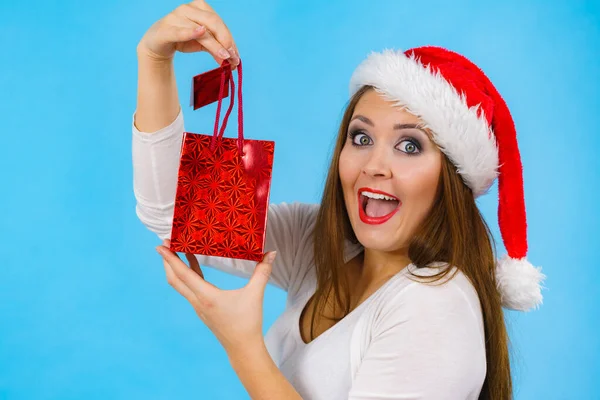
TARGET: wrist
(249,350)
(146,56)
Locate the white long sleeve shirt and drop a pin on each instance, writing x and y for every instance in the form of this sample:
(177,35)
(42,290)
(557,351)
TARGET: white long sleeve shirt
(408,340)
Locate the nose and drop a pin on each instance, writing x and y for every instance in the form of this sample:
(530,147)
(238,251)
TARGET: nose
(377,166)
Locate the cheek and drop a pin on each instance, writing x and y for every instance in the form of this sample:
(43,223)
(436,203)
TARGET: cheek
(419,180)
(349,168)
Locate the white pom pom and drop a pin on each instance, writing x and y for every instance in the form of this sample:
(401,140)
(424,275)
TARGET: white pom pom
(519,283)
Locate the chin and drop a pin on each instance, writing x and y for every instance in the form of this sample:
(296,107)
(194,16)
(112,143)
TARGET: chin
(379,241)
(384,237)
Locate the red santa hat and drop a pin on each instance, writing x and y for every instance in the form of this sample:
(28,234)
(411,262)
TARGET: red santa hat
(472,125)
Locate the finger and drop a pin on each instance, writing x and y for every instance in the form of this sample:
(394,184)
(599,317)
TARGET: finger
(190,37)
(184,31)
(217,49)
(177,284)
(203,14)
(199,286)
(209,19)
(203,5)
(192,260)
(193,37)
(221,43)
(194,264)
(235,56)
(190,47)
(262,271)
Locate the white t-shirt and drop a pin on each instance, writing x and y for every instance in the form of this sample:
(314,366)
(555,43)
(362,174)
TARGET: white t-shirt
(408,340)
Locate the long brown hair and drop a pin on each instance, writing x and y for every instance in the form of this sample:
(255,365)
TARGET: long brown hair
(454,232)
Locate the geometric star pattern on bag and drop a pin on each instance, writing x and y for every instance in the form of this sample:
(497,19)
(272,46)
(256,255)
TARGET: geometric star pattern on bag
(222,199)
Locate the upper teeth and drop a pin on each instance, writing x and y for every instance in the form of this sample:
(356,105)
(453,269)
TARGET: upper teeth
(377,196)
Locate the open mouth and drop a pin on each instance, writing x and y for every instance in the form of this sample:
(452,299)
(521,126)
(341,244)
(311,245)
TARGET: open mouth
(375,206)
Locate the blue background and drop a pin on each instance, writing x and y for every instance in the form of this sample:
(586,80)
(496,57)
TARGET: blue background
(85,309)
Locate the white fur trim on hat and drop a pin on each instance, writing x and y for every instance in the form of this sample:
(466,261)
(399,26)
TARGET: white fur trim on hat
(458,130)
(519,283)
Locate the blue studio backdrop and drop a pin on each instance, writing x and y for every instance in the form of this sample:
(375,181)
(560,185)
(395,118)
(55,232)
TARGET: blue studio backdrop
(85,309)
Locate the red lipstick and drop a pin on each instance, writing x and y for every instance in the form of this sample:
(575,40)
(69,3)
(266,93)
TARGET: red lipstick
(374,220)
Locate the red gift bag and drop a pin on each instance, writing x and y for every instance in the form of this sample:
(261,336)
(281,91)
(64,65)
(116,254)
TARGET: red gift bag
(223,183)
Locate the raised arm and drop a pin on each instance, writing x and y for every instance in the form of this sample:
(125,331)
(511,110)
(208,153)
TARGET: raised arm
(157,121)
(157,99)
(158,128)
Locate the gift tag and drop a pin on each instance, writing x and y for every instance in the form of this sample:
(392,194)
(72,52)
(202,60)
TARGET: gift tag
(206,86)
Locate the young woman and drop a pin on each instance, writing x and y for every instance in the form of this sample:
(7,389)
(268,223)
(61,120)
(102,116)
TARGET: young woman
(393,288)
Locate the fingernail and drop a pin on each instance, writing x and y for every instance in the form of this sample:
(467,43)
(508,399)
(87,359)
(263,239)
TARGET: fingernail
(160,249)
(199,29)
(271,257)
(224,53)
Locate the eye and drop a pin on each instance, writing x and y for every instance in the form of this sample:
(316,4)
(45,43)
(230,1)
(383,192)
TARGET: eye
(409,146)
(360,139)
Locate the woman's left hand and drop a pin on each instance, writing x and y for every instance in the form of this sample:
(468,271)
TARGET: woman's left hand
(234,316)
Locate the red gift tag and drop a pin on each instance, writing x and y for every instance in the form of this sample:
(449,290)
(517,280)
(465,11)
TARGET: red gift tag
(206,86)
(223,187)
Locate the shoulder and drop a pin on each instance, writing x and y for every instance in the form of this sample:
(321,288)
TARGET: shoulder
(423,330)
(451,300)
(454,288)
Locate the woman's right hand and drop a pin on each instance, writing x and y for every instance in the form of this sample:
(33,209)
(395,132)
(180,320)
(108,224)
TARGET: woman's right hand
(190,28)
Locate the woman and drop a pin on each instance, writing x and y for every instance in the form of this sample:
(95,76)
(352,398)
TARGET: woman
(393,289)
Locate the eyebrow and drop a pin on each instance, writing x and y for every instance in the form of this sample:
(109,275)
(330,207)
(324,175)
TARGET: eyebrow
(397,126)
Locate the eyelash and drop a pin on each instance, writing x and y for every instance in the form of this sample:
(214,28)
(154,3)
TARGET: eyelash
(353,134)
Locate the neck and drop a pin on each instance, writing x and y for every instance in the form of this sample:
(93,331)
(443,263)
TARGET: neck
(378,266)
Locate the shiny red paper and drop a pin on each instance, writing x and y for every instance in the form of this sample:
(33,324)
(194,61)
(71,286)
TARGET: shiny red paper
(205,87)
(223,190)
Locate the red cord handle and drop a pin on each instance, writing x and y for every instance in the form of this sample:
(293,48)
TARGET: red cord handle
(218,133)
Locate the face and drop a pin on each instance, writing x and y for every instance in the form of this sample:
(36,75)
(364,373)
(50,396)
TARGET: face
(389,170)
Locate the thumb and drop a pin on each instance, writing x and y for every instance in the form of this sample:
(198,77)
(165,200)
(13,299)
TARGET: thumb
(262,272)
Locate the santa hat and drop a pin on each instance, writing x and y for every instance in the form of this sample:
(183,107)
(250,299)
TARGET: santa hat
(472,125)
